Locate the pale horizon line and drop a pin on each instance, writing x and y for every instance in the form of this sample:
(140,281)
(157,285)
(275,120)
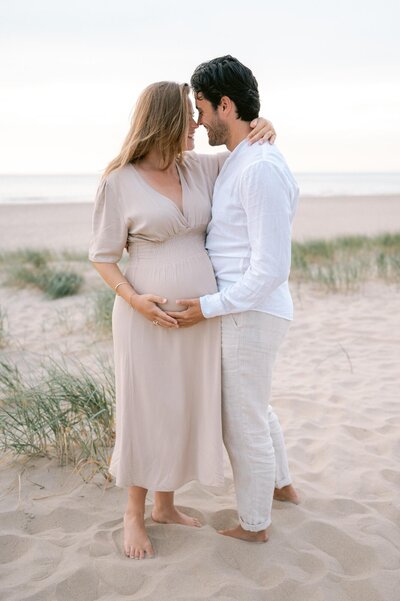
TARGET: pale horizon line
(94,173)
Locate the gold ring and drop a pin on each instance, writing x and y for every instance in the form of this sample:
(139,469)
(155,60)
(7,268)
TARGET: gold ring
(155,322)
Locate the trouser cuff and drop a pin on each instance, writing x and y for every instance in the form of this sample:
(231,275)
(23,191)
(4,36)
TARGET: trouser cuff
(284,482)
(254,527)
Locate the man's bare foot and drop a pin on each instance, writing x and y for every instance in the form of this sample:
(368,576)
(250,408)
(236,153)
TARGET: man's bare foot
(241,534)
(136,542)
(171,515)
(287,493)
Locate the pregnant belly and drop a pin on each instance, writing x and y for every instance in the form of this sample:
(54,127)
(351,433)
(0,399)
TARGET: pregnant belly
(185,279)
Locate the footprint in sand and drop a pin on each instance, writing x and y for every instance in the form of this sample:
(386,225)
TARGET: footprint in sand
(123,577)
(101,545)
(337,506)
(350,556)
(80,585)
(226,518)
(67,519)
(13,547)
(392,476)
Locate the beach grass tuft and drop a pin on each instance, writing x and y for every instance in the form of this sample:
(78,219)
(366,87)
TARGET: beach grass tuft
(342,264)
(3,327)
(28,267)
(65,412)
(101,312)
(57,284)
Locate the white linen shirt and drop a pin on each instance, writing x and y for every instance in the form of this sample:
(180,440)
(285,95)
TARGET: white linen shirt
(249,235)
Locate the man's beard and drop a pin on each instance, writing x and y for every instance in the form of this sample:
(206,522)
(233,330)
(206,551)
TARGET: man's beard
(217,133)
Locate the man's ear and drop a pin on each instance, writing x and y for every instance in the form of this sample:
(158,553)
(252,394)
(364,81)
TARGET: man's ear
(226,106)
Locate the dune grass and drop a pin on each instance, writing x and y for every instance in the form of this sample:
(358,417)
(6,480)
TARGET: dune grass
(29,267)
(41,255)
(63,412)
(3,327)
(342,264)
(57,284)
(337,265)
(101,310)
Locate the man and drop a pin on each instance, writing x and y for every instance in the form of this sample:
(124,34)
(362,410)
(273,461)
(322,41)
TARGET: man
(249,243)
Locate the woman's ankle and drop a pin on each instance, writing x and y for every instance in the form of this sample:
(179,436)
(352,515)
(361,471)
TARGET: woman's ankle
(162,505)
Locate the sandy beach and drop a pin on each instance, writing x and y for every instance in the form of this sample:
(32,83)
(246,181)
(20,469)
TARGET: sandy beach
(336,388)
(60,226)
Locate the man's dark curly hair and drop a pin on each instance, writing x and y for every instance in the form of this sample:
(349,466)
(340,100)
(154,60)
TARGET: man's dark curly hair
(226,76)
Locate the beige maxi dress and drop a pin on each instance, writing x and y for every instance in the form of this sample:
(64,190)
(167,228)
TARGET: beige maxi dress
(168,381)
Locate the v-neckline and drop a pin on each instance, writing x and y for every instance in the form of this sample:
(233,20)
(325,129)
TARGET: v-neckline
(234,153)
(172,202)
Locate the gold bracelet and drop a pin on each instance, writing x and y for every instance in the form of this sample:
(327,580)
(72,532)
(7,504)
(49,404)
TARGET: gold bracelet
(119,284)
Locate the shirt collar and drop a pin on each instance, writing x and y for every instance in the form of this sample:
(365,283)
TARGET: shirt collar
(235,153)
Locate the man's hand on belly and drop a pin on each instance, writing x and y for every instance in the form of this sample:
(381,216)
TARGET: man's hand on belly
(191,315)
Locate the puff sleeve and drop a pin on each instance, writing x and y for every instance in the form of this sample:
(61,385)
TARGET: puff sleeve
(211,164)
(109,229)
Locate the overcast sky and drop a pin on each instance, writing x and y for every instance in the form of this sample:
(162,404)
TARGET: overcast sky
(70,72)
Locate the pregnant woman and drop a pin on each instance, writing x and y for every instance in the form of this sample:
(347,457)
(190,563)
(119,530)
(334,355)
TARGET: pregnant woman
(155,199)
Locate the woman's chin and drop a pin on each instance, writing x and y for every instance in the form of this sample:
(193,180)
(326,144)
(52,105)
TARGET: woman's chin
(189,144)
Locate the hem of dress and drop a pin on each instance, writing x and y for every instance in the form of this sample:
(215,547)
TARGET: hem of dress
(155,488)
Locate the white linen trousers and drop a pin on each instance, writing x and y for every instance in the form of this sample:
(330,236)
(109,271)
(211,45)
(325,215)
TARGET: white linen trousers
(252,433)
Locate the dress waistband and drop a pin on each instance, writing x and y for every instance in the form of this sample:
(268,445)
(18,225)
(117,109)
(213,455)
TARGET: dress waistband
(182,246)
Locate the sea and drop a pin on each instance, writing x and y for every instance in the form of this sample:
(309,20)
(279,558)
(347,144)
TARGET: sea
(72,188)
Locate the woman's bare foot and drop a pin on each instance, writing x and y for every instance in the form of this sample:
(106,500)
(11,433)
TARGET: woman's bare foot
(136,542)
(287,493)
(170,515)
(241,534)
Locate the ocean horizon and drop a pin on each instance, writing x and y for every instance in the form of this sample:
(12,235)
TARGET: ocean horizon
(74,188)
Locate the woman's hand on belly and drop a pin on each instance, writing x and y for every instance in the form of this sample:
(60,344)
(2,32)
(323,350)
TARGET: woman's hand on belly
(147,305)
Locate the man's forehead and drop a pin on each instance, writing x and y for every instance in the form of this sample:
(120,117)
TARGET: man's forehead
(199,96)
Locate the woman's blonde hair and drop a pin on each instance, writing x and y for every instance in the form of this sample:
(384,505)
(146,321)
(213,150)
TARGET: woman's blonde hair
(160,120)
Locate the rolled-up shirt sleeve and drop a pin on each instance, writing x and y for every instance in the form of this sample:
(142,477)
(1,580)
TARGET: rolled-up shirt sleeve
(109,229)
(266,201)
